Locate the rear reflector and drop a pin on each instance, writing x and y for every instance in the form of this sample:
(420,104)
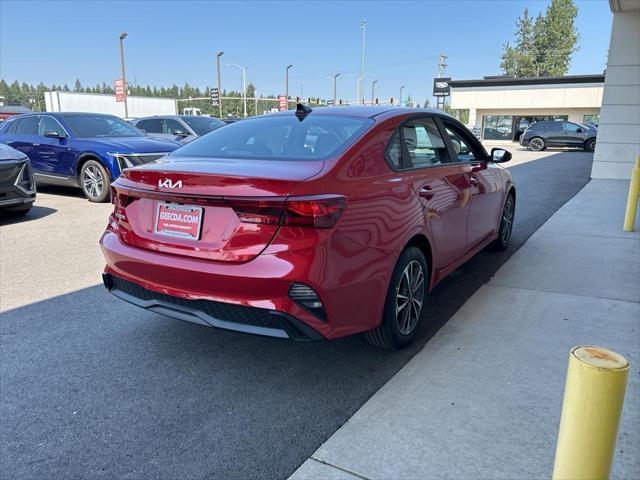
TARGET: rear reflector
(306,297)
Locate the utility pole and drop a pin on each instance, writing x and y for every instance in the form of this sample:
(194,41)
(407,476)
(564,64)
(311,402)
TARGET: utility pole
(442,65)
(286,84)
(373,91)
(335,81)
(363,26)
(124,80)
(218,55)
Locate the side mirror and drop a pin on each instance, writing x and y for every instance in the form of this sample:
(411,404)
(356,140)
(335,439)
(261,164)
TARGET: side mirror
(54,134)
(579,130)
(500,155)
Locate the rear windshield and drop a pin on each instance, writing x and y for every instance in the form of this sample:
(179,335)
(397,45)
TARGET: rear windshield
(101,126)
(279,137)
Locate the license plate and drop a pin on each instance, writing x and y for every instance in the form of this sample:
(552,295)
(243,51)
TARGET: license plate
(182,221)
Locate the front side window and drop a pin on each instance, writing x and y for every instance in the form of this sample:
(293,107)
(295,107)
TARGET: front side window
(50,124)
(424,143)
(152,125)
(101,126)
(202,125)
(461,147)
(173,127)
(27,126)
(279,138)
(571,127)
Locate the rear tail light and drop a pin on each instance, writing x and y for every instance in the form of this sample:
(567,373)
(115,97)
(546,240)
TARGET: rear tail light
(322,211)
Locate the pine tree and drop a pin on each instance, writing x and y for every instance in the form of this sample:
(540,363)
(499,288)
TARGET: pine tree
(78,86)
(543,47)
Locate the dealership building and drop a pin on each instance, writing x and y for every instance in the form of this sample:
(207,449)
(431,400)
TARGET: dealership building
(503,107)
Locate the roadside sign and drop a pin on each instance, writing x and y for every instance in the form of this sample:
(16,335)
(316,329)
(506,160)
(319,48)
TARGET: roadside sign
(329,103)
(282,102)
(215,97)
(441,87)
(119,89)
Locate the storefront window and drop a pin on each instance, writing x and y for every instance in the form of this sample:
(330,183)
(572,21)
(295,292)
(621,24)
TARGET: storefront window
(595,119)
(497,127)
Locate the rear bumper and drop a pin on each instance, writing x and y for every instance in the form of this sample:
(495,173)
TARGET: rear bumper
(348,279)
(228,316)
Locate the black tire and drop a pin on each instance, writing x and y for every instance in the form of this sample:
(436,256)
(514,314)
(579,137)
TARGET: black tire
(590,145)
(95,182)
(398,330)
(537,144)
(18,211)
(506,224)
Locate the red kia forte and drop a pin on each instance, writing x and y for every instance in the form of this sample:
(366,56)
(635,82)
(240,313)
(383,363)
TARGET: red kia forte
(308,224)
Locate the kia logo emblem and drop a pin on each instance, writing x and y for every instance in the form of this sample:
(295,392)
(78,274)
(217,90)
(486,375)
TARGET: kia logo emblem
(167,183)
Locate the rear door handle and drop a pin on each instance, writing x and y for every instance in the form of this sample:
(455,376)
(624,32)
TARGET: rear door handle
(427,192)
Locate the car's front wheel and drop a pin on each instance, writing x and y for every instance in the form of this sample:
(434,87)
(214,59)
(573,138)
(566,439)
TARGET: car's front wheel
(537,144)
(405,303)
(95,181)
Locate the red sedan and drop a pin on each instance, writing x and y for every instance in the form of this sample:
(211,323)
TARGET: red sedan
(308,224)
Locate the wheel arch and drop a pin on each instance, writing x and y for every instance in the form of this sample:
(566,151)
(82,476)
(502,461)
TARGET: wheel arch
(420,241)
(85,157)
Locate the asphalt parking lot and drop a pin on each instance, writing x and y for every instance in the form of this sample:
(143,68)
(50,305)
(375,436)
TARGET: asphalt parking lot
(91,387)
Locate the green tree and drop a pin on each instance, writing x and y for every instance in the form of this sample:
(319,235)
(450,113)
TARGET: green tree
(542,47)
(556,37)
(78,86)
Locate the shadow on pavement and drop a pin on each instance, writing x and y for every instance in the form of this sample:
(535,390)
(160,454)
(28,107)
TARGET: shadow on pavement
(93,387)
(35,213)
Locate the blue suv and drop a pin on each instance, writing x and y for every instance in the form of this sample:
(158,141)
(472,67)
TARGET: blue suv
(86,150)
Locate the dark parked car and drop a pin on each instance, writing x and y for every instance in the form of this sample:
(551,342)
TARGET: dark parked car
(181,128)
(309,224)
(17,186)
(86,150)
(541,135)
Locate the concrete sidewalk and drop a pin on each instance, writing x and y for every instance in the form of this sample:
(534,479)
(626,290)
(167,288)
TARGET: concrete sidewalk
(483,398)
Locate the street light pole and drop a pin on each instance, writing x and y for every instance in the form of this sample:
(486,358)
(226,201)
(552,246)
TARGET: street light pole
(373,91)
(286,84)
(219,54)
(244,82)
(124,80)
(363,25)
(335,81)
(400,97)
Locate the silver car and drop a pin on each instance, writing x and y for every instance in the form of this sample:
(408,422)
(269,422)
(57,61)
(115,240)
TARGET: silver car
(181,128)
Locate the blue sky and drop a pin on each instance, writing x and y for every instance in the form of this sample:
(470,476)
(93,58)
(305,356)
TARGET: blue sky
(175,41)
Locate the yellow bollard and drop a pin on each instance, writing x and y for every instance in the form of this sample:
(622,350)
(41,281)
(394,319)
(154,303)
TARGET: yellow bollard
(632,199)
(593,397)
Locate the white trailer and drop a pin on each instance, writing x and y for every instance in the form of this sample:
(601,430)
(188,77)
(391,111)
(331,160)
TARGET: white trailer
(105,103)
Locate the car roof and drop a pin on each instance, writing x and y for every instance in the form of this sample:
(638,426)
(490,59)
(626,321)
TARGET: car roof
(63,114)
(366,111)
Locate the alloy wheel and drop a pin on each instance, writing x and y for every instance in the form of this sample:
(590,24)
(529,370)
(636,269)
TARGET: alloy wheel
(506,224)
(93,181)
(410,297)
(536,144)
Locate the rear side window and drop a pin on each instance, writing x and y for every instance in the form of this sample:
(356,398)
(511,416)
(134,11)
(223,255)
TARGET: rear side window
(571,127)
(27,126)
(172,126)
(553,127)
(279,138)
